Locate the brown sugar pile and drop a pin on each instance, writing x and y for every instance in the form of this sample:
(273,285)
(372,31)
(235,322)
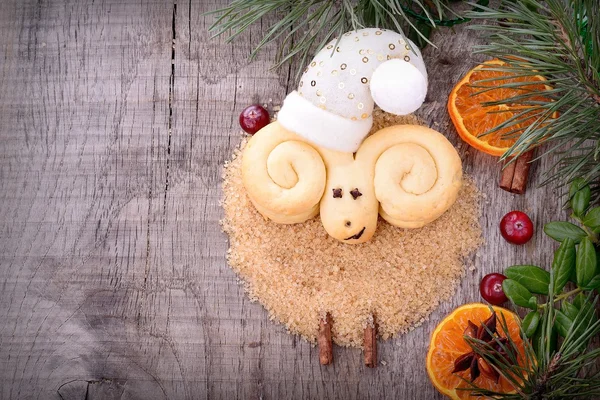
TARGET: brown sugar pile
(299,273)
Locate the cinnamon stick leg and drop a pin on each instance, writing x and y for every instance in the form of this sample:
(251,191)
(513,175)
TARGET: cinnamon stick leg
(324,340)
(522,165)
(507,175)
(370,343)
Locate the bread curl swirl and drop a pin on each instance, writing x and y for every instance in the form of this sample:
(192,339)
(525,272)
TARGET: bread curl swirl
(417,173)
(283,175)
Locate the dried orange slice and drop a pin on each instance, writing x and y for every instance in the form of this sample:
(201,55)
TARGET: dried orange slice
(472,119)
(447,344)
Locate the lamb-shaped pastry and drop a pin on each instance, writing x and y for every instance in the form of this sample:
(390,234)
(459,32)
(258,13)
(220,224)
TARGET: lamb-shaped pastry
(315,158)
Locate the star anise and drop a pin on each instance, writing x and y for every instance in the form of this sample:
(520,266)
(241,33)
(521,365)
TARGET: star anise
(472,360)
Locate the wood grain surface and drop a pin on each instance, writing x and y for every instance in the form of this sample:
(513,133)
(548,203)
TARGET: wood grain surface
(115,120)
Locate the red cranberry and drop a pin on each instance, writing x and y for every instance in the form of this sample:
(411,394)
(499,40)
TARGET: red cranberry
(516,227)
(491,289)
(254,118)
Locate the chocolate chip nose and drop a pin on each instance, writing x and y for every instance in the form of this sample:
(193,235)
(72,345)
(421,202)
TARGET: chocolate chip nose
(348,224)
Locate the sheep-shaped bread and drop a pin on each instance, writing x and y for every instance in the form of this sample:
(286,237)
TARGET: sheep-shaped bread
(408,174)
(315,158)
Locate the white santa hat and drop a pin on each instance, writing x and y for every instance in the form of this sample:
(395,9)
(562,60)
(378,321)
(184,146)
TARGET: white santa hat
(334,102)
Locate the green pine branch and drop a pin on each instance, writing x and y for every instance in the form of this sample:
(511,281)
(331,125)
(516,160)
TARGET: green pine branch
(568,371)
(560,40)
(305,26)
(560,360)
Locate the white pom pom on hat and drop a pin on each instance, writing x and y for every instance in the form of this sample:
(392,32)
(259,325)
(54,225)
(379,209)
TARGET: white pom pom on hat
(334,102)
(394,80)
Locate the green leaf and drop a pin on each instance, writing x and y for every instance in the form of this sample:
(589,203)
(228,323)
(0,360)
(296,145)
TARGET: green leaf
(563,264)
(573,276)
(535,279)
(538,343)
(580,196)
(587,308)
(569,310)
(586,262)
(560,231)
(530,323)
(592,218)
(536,340)
(593,284)
(579,301)
(518,294)
(562,323)
(576,186)
(579,319)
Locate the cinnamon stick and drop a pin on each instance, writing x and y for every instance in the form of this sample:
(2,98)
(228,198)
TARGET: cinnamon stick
(507,175)
(515,175)
(324,340)
(523,163)
(370,343)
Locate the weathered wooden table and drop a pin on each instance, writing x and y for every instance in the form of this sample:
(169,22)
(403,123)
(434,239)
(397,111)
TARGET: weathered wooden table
(115,119)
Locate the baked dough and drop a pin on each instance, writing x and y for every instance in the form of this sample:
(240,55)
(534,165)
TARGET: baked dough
(283,175)
(416,171)
(408,174)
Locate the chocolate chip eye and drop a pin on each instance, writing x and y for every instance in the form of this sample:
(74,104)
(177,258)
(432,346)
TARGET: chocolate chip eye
(355,193)
(337,193)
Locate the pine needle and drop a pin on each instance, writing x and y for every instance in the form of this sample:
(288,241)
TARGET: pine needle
(560,40)
(305,26)
(565,372)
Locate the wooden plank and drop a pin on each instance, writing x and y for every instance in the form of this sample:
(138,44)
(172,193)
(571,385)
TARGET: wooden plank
(212,84)
(84,118)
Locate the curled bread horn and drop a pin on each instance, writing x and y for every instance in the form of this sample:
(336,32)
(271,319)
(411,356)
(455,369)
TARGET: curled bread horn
(408,174)
(283,175)
(416,173)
